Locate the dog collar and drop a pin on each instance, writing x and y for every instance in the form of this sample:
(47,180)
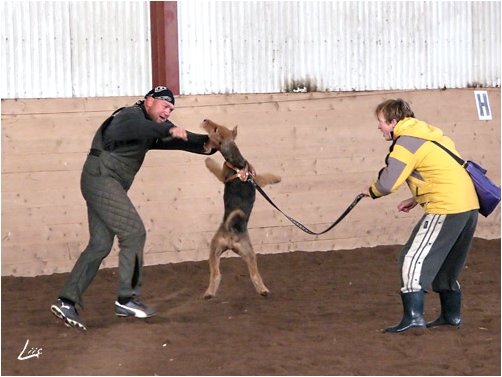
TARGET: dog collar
(243,174)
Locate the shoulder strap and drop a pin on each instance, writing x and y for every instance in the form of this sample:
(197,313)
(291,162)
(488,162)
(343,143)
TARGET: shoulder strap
(458,159)
(118,110)
(98,140)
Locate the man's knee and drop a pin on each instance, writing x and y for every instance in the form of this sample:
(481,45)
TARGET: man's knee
(133,240)
(98,248)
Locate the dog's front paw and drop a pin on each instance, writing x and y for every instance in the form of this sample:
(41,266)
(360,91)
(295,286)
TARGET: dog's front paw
(267,179)
(275,179)
(212,165)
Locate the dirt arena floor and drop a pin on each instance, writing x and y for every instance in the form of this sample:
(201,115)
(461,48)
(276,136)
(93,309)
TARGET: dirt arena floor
(324,316)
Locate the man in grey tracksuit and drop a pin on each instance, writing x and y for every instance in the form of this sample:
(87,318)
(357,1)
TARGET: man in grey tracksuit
(117,153)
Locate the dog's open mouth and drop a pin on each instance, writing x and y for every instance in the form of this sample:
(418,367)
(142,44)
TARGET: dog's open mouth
(217,133)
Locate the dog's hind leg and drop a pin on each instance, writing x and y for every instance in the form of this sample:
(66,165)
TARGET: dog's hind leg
(245,250)
(218,246)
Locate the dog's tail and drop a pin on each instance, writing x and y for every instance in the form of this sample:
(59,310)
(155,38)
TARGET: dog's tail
(236,222)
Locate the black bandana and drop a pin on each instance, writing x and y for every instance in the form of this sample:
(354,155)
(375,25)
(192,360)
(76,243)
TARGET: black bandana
(161,92)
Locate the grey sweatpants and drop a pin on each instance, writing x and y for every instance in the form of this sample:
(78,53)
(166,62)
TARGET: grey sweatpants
(110,212)
(436,251)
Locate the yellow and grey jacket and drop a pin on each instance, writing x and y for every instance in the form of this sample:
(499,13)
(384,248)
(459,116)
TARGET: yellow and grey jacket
(438,183)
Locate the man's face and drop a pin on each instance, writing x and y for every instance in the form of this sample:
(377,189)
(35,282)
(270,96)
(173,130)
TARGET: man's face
(386,127)
(158,110)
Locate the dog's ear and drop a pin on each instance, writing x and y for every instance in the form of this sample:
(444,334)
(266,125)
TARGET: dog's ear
(234,132)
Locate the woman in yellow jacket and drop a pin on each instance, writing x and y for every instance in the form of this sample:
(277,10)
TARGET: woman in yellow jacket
(435,253)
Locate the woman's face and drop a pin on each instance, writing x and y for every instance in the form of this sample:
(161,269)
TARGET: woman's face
(386,127)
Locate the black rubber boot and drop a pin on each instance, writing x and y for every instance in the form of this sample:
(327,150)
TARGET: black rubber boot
(450,309)
(413,307)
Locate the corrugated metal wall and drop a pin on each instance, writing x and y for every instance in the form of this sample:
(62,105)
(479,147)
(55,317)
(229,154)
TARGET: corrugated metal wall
(75,49)
(93,49)
(246,47)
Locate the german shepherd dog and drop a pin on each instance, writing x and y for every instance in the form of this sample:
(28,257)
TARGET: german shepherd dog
(238,175)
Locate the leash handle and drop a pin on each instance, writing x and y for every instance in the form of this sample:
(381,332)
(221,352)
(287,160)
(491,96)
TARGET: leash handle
(303,227)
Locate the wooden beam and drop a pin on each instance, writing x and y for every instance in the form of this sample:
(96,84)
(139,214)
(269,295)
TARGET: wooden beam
(165,59)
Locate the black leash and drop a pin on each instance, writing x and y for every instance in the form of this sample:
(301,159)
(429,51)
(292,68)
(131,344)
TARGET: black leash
(303,227)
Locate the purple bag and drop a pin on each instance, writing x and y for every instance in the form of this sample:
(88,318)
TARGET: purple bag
(488,192)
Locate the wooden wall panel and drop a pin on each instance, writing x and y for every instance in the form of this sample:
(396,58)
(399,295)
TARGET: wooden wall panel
(325,146)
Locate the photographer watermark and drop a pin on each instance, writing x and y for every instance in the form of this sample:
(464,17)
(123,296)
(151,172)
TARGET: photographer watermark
(33,352)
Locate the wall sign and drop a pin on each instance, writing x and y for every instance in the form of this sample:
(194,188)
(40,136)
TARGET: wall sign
(483,105)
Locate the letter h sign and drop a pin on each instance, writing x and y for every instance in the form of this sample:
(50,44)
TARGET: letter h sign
(483,105)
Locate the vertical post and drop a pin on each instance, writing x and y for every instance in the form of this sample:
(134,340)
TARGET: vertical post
(165,59)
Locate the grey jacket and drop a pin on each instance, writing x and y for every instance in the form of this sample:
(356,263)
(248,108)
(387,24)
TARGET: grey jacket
(120,144)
